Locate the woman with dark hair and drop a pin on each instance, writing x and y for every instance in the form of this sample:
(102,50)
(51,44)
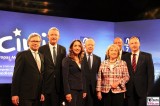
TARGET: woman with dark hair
(73,75)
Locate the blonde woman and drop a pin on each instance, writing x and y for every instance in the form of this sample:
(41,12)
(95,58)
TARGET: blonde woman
(112,77)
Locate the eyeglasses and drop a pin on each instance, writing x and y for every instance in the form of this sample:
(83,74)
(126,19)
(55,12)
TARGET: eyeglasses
(34,41)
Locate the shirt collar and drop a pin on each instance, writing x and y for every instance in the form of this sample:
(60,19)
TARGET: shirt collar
(120,51)
(51,46)
(88,54)
(137,53)
(33,51)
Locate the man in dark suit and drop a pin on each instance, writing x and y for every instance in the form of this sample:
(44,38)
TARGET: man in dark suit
(53,54)
(119,42)
(27,77)
(141,70)
(92,63)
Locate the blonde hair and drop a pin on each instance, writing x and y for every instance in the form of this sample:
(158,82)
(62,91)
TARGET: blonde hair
(114,46)
(89,39)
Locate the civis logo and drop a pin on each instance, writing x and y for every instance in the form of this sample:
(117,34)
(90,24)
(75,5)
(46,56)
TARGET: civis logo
(153,101)
(21,43)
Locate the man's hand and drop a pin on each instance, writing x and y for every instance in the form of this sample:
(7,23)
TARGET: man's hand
(69,97)
(15,100)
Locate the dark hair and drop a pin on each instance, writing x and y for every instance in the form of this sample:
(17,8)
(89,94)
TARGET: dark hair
(71,53)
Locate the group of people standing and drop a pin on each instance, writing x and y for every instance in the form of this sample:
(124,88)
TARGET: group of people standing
(47,76)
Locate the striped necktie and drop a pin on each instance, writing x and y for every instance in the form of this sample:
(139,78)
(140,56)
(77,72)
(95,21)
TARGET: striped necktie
(134,62)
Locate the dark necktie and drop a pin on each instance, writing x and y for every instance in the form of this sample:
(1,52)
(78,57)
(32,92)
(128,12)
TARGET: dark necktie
(54,55)
(89,61)
(134,62)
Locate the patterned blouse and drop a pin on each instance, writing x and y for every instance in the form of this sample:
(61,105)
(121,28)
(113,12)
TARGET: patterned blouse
(107,76)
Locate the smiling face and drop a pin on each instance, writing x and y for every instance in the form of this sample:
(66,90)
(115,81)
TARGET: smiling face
(53,36)
(77,47)
(34,43)
(89,45)
(113,51)
(134,44)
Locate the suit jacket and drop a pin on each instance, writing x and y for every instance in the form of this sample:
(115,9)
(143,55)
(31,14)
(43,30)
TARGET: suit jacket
(91,75)
(123,53)
(27,79)
(52,71)
(73,76)
(156,89)
(143,77)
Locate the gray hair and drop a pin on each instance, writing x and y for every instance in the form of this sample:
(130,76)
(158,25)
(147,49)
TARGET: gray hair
(33,35)
(53,28)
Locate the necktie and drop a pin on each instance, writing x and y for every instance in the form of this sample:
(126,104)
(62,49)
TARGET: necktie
(54,55)
(89,61)
(134,62)
(37,61)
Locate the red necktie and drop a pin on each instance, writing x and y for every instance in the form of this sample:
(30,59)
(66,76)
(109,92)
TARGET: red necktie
(134,62)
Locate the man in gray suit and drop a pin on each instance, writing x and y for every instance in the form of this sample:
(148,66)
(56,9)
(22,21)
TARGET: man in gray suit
(92,63)
(141,71)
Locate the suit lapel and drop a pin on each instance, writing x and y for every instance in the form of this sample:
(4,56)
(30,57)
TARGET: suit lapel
(86,61)
(76,65)
(42,61)
(130,63)
(140,61)
(49,54)
(58,53)
(93,62)
(129,60)
(32,59)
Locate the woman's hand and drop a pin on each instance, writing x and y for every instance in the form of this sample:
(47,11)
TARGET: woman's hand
(115,85)
(42,98)
(15,100)
(99,95)
(84,95)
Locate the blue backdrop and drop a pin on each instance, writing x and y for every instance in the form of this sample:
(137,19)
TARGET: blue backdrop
(15,28)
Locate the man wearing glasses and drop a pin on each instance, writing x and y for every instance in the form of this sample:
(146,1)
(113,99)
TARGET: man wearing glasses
(27,77)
